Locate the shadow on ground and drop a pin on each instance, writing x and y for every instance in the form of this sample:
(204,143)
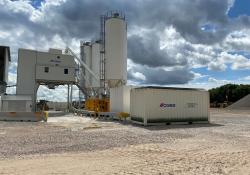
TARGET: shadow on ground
(164,126)
(179,126)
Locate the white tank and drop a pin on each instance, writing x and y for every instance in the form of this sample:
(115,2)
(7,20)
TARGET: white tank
(87,50)
(96,63)
(116,51)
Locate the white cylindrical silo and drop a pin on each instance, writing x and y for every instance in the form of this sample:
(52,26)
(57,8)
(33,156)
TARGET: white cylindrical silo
(96,63)
(87,50)
(115,50)
(82,69)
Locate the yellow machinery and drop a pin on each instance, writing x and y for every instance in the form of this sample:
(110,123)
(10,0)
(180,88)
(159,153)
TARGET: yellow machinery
(123,115)
(97,105)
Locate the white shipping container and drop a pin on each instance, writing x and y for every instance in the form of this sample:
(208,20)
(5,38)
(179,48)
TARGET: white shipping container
(151,105)
(120,99)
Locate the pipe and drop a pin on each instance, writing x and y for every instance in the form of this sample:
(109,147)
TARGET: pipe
(82,63)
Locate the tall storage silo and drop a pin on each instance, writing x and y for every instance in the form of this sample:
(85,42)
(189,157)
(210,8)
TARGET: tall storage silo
(115,50)
(82,69)
(96,63)
(87,55)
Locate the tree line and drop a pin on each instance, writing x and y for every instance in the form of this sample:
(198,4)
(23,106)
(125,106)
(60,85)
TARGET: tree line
(228,93)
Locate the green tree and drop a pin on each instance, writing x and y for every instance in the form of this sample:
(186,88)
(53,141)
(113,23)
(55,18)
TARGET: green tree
(229,92)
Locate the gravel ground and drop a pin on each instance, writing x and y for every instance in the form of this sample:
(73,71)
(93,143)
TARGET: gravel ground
(20,139)
(98,147)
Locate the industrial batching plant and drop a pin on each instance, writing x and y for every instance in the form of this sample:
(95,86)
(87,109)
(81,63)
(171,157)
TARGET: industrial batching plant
(107,58)
(101,74)
(102,66)
(35,68)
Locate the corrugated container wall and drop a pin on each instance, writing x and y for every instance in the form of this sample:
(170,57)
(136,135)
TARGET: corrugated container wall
(152,105)
(120,99)
(116,51)
(96,63)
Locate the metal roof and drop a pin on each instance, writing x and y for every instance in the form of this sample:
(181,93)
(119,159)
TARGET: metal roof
(172,88)
(8,50)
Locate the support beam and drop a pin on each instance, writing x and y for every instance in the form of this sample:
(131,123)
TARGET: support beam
(68,99)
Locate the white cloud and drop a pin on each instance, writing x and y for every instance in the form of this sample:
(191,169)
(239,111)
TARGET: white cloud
(18,6)
(139,76)
(60,93)
(172,46)
(208,84)
(237,62)
(230,4)
(217,66)
(247,78)
(11,82)
(238,41)
(198,76)
(4,34)
(221,82)
(158,76)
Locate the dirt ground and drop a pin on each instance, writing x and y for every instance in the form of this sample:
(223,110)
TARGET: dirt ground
(74,145)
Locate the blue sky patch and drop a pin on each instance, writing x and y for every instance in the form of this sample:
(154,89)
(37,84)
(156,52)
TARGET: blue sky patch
(36,3)
(241,7)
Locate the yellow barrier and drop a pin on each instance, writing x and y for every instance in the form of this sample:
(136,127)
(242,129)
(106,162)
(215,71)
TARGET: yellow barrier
(46,116)
(123,115)
(24,116)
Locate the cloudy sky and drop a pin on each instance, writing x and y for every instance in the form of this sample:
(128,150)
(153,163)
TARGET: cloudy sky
(187,43)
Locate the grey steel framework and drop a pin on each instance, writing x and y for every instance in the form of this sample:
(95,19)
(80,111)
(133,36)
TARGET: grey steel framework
(102,52)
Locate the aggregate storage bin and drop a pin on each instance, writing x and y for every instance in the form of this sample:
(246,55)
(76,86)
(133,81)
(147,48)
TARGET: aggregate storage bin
(152,105)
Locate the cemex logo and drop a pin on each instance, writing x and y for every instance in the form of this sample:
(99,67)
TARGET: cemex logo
(164,105)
